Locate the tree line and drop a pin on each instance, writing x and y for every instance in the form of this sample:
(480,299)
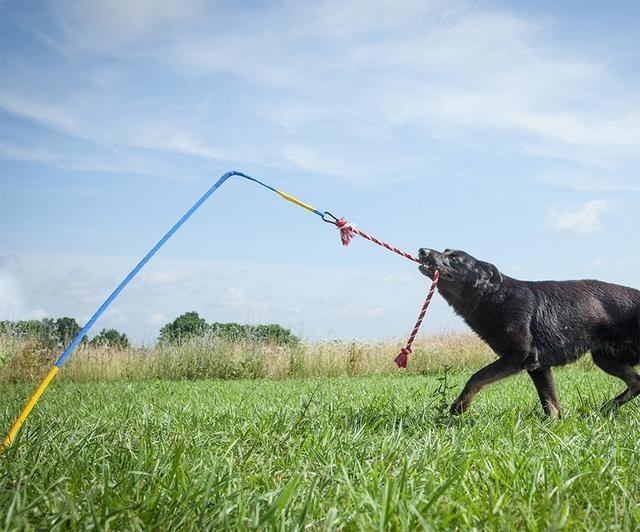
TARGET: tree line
(58,333)
(191,324)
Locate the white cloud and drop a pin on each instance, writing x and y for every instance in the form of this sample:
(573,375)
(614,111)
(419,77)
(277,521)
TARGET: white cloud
(114,162)
(306,158)
(337,75)
(46,113)
(237,297)
(157,320)
(11,299)
(456,71)
(585,220)
(169,277)
(292,115)
(573,128)
(176,140)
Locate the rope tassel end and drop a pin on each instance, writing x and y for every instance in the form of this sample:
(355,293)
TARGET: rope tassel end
(346,231)
(401,359)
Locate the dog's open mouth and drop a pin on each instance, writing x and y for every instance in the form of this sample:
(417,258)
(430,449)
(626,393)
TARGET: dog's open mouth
(429,270)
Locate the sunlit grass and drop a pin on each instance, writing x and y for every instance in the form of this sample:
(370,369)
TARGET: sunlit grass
(323,453)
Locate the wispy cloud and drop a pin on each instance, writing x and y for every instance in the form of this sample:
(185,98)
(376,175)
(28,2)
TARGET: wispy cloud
(306,158)
(451,72)
(44,113)
(11,299)
(585,220)
(168,277)
(175,140)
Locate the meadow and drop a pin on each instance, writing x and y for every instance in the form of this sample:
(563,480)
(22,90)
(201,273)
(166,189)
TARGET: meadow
(357,445)
(212,357)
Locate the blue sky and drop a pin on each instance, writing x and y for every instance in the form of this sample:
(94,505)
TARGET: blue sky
(508,129)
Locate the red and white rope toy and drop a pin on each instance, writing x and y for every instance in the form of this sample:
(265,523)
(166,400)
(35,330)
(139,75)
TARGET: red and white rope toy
(347,231)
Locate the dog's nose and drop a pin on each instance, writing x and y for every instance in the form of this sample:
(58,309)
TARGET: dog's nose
(424,253)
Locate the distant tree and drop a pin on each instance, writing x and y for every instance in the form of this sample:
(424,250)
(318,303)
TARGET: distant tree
(110,338)
(188,325)
(228,331)
(272,333)
(47,332)
(66,330)
(191,324)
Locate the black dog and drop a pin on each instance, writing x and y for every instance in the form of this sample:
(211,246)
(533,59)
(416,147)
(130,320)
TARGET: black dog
(536,325)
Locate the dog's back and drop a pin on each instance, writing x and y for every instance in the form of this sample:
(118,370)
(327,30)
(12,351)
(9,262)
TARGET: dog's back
(573,317)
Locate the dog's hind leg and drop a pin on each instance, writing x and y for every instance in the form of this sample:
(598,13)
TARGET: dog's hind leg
(495,371)
(623,371)
(543,380)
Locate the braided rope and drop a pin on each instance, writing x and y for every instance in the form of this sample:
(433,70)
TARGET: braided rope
(401,359)
(347,230)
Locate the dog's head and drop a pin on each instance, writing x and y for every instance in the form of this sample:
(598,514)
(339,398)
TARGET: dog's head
(459,268)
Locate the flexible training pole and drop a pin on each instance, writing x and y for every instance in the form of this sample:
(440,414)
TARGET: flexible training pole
(67,352)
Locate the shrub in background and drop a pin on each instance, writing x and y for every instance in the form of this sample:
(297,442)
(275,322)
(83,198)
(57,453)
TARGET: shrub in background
(110,338)
(182,328)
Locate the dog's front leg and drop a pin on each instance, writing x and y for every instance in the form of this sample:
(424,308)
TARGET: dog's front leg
(495,371)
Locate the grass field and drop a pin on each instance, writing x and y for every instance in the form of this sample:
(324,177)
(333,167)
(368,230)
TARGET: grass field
(320,453)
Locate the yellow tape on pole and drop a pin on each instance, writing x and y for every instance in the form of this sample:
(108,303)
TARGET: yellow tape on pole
(297,201)
(29,406)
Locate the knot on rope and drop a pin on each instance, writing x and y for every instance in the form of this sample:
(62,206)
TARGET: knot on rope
(346,231)
(401,359)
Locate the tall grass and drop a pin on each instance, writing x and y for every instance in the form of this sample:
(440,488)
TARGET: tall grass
(213,357)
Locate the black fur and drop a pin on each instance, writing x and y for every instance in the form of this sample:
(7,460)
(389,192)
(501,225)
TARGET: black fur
(534,325)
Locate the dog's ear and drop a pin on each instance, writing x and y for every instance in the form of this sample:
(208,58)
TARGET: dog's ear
(490,276)
(496,276)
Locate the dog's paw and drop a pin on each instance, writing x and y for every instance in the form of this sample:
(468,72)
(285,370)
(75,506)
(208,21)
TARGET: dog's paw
(458,408)
(552,411)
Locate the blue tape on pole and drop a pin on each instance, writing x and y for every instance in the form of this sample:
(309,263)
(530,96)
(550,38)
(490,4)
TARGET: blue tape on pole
(148,256)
